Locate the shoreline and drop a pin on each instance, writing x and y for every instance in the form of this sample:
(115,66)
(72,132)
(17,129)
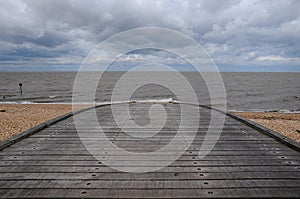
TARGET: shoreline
(16,118)
(150,100)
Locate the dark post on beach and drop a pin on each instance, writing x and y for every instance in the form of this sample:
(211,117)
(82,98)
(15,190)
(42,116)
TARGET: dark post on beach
(20,85)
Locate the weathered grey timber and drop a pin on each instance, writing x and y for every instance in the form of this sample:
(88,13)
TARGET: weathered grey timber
(247,161)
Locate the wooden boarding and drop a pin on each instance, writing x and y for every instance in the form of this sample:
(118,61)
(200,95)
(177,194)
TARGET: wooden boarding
(54,162)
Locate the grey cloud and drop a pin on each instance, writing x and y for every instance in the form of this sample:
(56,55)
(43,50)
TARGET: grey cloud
(230,30)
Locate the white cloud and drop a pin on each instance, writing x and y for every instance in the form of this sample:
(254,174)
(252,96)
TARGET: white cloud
(277,58)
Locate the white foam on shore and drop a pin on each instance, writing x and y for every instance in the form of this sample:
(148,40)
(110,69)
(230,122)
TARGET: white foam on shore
(18,102)
(163,100)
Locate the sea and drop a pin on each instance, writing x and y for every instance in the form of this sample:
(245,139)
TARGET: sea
(278,92)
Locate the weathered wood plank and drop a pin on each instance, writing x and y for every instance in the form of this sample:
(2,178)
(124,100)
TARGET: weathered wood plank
(133,163)
(151,193)
(152,176)
(105,169)
(127,158)
(149,184)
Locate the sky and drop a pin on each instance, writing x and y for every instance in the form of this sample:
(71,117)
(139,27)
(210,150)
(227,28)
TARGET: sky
(56,35)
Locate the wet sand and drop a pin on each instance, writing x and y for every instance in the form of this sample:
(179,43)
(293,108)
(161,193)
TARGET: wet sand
(16,118)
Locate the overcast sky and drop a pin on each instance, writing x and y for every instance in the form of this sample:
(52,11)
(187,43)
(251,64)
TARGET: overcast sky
(238,35)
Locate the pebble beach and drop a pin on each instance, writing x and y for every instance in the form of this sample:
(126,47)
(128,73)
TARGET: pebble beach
(16,118)
(287,124)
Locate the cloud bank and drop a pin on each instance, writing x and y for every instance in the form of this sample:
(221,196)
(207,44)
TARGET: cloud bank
(238,35)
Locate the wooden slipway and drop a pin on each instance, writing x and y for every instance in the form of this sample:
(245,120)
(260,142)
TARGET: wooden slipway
(51,160)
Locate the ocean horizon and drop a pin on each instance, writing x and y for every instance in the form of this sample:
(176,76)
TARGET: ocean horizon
(246,91)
